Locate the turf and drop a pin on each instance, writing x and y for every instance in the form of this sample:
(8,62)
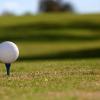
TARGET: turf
(59,57)
(52,80)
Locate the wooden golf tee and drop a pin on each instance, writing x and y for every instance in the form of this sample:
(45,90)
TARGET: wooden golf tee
(8,68)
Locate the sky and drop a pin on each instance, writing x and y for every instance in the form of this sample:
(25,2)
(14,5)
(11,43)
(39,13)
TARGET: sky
(21,6)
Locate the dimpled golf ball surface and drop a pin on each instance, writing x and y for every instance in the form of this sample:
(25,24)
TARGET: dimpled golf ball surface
(8,52)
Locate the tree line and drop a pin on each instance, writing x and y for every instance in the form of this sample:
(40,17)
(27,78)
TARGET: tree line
(47,6)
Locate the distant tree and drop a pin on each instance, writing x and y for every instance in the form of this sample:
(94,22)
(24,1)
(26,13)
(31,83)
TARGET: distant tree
(7,13)
(67,7)
(27,14)
(54,6)
(49,6)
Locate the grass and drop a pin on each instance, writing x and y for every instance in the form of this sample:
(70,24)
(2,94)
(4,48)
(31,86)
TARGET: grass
(52,80)
(59,57)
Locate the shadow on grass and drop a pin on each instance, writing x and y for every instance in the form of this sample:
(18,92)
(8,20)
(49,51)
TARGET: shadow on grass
(47,26)
(41,32)
(50,37)
(89,53)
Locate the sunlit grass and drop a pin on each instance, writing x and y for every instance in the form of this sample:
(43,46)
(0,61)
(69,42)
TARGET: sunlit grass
(59,79)
(50,35)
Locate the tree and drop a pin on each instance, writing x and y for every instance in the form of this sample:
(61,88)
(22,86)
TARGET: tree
(67,7)
(27,14)
(54,6)
(7,13)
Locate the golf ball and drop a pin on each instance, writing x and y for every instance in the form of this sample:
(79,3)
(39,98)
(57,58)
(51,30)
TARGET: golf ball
(9,52)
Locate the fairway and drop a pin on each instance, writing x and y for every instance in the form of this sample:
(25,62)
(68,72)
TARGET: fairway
(59,57)
(54,80)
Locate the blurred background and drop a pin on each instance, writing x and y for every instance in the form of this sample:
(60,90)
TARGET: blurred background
(52,29)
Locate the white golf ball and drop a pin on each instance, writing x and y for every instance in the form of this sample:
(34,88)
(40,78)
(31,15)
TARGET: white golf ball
(8,52)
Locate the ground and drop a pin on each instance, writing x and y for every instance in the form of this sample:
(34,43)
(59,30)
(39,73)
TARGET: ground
(59,57)
(52,80)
